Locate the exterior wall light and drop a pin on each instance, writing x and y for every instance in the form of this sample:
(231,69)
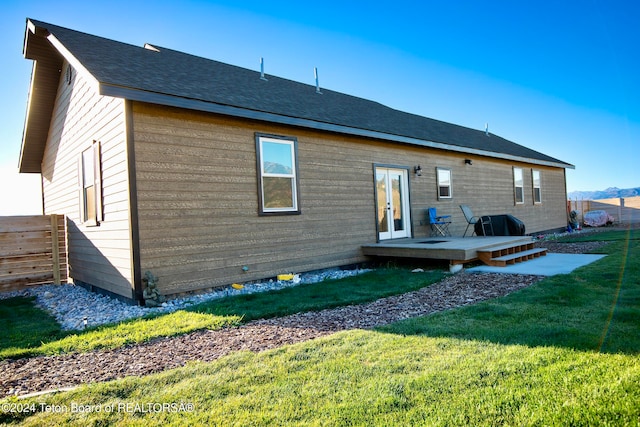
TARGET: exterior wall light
(468,162)
(418,170)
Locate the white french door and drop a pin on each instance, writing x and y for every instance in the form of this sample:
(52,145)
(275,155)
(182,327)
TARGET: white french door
(392,198)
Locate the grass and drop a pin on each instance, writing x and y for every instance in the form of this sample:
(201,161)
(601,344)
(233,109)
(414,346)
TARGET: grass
(595,308)
(52,340)
(24,325)
(359,289)
(34,332)
(603,235)
(367,378)
(562,352)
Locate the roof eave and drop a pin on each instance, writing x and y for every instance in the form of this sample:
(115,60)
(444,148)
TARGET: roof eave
(29,162)
(48,53)
(199,105)
(36,124)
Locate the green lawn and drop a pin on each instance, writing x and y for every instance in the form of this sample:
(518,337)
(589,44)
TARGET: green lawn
(594,308)
(33,332)
(33,342)
(561,352)
(359,289)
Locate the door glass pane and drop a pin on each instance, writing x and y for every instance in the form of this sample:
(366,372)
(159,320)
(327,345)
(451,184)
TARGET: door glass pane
(381,193)
(397,202)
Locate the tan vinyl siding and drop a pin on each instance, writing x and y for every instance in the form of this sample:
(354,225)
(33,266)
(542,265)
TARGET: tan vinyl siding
(487,187)
(100,256)
(198,203)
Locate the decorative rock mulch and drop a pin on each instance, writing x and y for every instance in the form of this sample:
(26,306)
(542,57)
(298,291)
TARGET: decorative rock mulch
(570,248)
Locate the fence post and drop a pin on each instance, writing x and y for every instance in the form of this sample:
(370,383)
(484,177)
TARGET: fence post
(620,206)
(55,249)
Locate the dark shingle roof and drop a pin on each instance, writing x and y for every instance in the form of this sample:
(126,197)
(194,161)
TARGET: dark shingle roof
(175,78)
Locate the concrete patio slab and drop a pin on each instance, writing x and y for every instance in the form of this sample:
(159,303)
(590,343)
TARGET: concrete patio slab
(548,265)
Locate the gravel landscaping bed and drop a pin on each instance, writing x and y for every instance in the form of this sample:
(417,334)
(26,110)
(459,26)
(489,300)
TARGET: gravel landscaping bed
(74,307)
(570,248)
(29,375)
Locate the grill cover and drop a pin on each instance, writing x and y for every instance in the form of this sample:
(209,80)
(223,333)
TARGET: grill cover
(502,225)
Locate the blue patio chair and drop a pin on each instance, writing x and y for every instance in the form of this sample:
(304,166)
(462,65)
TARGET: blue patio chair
(439,224)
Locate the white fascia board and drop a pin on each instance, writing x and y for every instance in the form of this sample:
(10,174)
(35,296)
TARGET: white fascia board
(31,28)
(74,62)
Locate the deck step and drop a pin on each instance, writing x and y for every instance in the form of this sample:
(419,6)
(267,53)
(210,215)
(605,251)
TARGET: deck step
(509,247)
(518,257)
(510,254)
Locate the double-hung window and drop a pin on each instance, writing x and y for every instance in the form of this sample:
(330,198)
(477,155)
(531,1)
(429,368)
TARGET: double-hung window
(90,185)
(537,193)
(444,183)
(518,185)
(277,174)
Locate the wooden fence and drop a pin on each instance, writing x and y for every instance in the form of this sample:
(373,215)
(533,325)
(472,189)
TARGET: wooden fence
(624,210)
(32,251)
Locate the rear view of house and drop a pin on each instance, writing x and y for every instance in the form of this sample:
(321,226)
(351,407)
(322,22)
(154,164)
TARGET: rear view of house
(206,174)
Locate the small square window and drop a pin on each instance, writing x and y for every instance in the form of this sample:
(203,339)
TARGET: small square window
(444,183)
(277,174)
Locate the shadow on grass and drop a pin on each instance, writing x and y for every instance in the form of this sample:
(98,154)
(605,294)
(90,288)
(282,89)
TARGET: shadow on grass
(33,331)
(25,325)
(595,308)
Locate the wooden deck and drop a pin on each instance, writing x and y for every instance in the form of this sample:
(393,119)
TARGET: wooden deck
(457,250)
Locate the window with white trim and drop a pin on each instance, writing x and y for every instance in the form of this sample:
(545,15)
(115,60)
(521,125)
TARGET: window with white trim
(90,180)
(277,174)
(535,180)
(444,183)
(518,185)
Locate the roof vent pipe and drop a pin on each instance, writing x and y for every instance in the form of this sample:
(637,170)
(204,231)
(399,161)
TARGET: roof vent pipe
(315,74)
(486,129)
(262,77)
(151,47)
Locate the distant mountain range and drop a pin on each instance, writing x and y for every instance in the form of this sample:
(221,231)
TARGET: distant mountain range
(609,193)
(273,167)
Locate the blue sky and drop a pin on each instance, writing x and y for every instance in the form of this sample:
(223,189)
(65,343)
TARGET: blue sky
(559,77)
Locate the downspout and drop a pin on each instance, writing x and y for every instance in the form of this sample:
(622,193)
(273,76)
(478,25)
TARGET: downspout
(136,285)
(42,193)
(567,203)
